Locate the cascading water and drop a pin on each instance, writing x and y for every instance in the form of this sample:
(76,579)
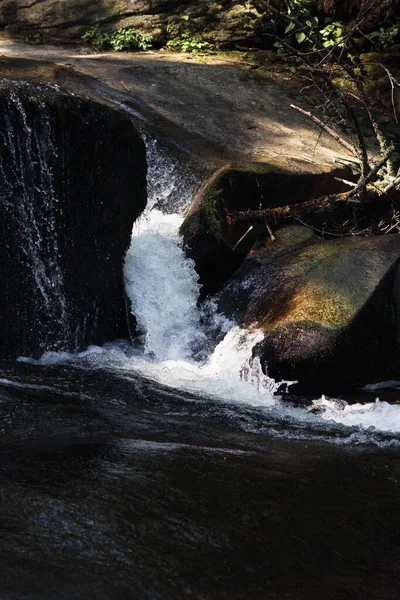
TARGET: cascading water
(198,350)
(72,182)
(26,172)
(164,290)
(162,285)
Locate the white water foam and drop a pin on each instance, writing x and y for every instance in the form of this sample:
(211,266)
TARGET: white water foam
(163,287)
(199,351)
(379,415)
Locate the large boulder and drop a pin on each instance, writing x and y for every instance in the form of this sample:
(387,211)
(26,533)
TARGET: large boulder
(329,309)
(72,182)
(67,20)
(217,246)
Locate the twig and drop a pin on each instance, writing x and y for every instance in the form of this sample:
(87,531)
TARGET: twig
(326,128)
(346,182)
(392,185)
(242,238)
(322,231)
(271,235)
(328,82)
(124,85)
(362,182)
(392,82)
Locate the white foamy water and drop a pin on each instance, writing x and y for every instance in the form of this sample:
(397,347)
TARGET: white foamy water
(163,287)
(381,416)
(198,350)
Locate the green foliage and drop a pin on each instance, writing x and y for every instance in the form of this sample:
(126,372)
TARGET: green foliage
(121,40)
(187,40)
(329,35)
(95,38)
(332,35)
(130,38)
(299,9)
(383,37)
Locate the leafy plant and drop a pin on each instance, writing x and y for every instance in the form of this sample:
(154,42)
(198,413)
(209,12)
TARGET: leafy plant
(121,40)
(298,8)
(95,38)
(332,35)
(187,40)
(130,38)
(383,37)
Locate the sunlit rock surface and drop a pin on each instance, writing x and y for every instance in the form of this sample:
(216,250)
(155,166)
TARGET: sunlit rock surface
(50,19)
(329,309)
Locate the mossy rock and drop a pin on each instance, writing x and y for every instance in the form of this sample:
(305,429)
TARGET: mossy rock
(329,309)
(66,20)
(217,246)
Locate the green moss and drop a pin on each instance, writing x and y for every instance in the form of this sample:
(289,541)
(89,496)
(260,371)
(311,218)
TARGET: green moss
(214,211)
(208,218)
(190,225)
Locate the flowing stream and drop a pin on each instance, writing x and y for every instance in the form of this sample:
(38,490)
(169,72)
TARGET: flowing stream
(171,468)
(198,351)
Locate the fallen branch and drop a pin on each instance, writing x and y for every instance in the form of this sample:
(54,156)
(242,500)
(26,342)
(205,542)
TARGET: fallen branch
(292,210)
(364,180)
(242,238)
(346,182)
(325,202)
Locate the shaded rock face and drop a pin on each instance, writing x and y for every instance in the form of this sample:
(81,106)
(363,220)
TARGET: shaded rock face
(217,247)
(72,182)
(220,21)
(330,310)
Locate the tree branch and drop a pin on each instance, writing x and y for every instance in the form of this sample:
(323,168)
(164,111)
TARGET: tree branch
(340,96)
(326,128)
(288,211)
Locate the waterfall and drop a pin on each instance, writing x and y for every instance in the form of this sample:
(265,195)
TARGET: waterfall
(197,350)
(27,195)
(72,182)
(162,285)
(35,212)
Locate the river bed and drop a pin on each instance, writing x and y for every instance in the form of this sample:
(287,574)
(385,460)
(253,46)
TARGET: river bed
(114,486)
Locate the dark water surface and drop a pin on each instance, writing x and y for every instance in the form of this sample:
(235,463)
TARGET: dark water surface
(117,488)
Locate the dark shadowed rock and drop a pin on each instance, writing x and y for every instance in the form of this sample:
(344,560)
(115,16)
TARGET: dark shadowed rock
(329,309)
(73,177)
(218,247)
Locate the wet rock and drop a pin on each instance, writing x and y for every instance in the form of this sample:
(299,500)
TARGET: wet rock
(72,182)
(329,309)
(218,247)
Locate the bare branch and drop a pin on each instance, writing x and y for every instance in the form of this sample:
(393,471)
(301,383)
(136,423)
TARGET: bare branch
(393,81)
(288,211)
(340,96)
(326,128)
